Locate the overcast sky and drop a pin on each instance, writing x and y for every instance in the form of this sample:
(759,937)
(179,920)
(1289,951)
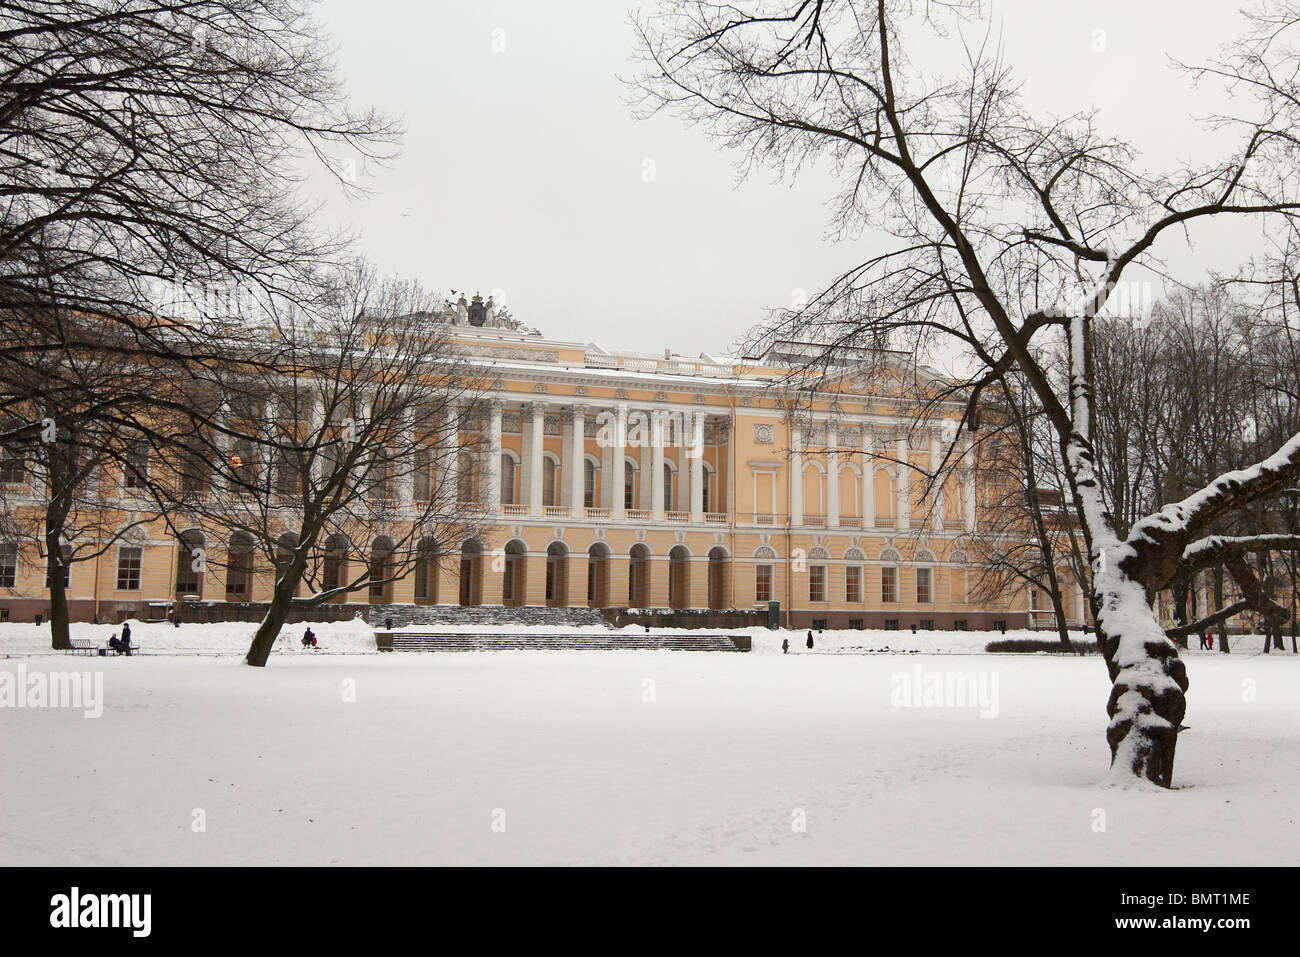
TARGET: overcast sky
(522,168)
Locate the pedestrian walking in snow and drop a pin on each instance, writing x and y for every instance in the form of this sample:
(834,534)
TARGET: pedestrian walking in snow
(810,642)
(785,646)
(308,638)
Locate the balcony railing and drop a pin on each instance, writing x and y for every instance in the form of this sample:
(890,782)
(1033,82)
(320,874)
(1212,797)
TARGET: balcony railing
(678,517)
(850,521)
(555,511)
(597,513)
(514,509)
(814,521)
(715,518)
(886,522)
(638,514)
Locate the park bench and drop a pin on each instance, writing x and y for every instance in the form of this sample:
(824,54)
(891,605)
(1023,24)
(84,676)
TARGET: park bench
(81,646)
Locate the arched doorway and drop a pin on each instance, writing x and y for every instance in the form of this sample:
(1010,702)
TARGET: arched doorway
(471,578)
(514,581)
(638,576)
(719,565)
(334,569)
(239,567)
(557,575)
(191,563)
(381,569)
(426,571)
(598,575)
(679,577)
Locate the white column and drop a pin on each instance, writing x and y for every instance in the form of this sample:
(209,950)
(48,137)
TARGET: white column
(537,433)
(970,485)
(657,465)
(682,498)
(449,459)
(618,473)
(868,479)
(904,480)
(605,492)
(494,458)
(407,462)
(696,455)
(796,475)
(832,476)
(576,466)
(936,457)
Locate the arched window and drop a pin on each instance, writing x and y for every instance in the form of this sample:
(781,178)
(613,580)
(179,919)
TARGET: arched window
(190,564)
(550,481)
(629,484)
(507,479)
(589,483)
(239,567)
(707,484)
(465,477)
(669,487)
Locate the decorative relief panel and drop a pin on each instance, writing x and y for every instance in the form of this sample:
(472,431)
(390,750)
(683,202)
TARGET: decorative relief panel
(764,434)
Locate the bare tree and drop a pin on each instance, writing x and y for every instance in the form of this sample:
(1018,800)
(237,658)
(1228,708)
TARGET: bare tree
(326,450)
(978,194)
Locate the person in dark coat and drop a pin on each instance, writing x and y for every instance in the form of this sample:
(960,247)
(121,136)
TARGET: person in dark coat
(810,642)
(116,644)
(309,638)
(785,646)
(126,638)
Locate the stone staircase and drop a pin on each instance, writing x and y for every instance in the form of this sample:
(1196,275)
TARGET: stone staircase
(495,616)
(504,641)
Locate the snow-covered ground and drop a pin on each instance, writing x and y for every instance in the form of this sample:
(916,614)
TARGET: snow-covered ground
(637,757)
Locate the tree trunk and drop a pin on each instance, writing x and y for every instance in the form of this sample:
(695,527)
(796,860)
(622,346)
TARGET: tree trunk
(1147,702)
(277,613)
(1218,603)
(60,630)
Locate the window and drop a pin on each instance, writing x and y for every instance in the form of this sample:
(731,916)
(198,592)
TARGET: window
(629,485)
(669,485)
(853,583)
(927,624)
(1000,625)
(924,594)
(959,624)
(422,481)
(507,479)
(550,481)
(889,584)
(819,623)
(763,583)
(13,469)
(239,567)
(128,568)
(8,566)
(287,476)
(707,488)
(135,471)
(891,624)
(189,564)
(591,582)
(589,484)
(816,582)
(855,624)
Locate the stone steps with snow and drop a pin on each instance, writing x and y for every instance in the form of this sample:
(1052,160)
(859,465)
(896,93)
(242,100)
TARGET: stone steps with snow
(557,642)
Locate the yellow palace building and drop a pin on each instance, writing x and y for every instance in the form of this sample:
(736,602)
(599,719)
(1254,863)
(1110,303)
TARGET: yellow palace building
(615,480)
